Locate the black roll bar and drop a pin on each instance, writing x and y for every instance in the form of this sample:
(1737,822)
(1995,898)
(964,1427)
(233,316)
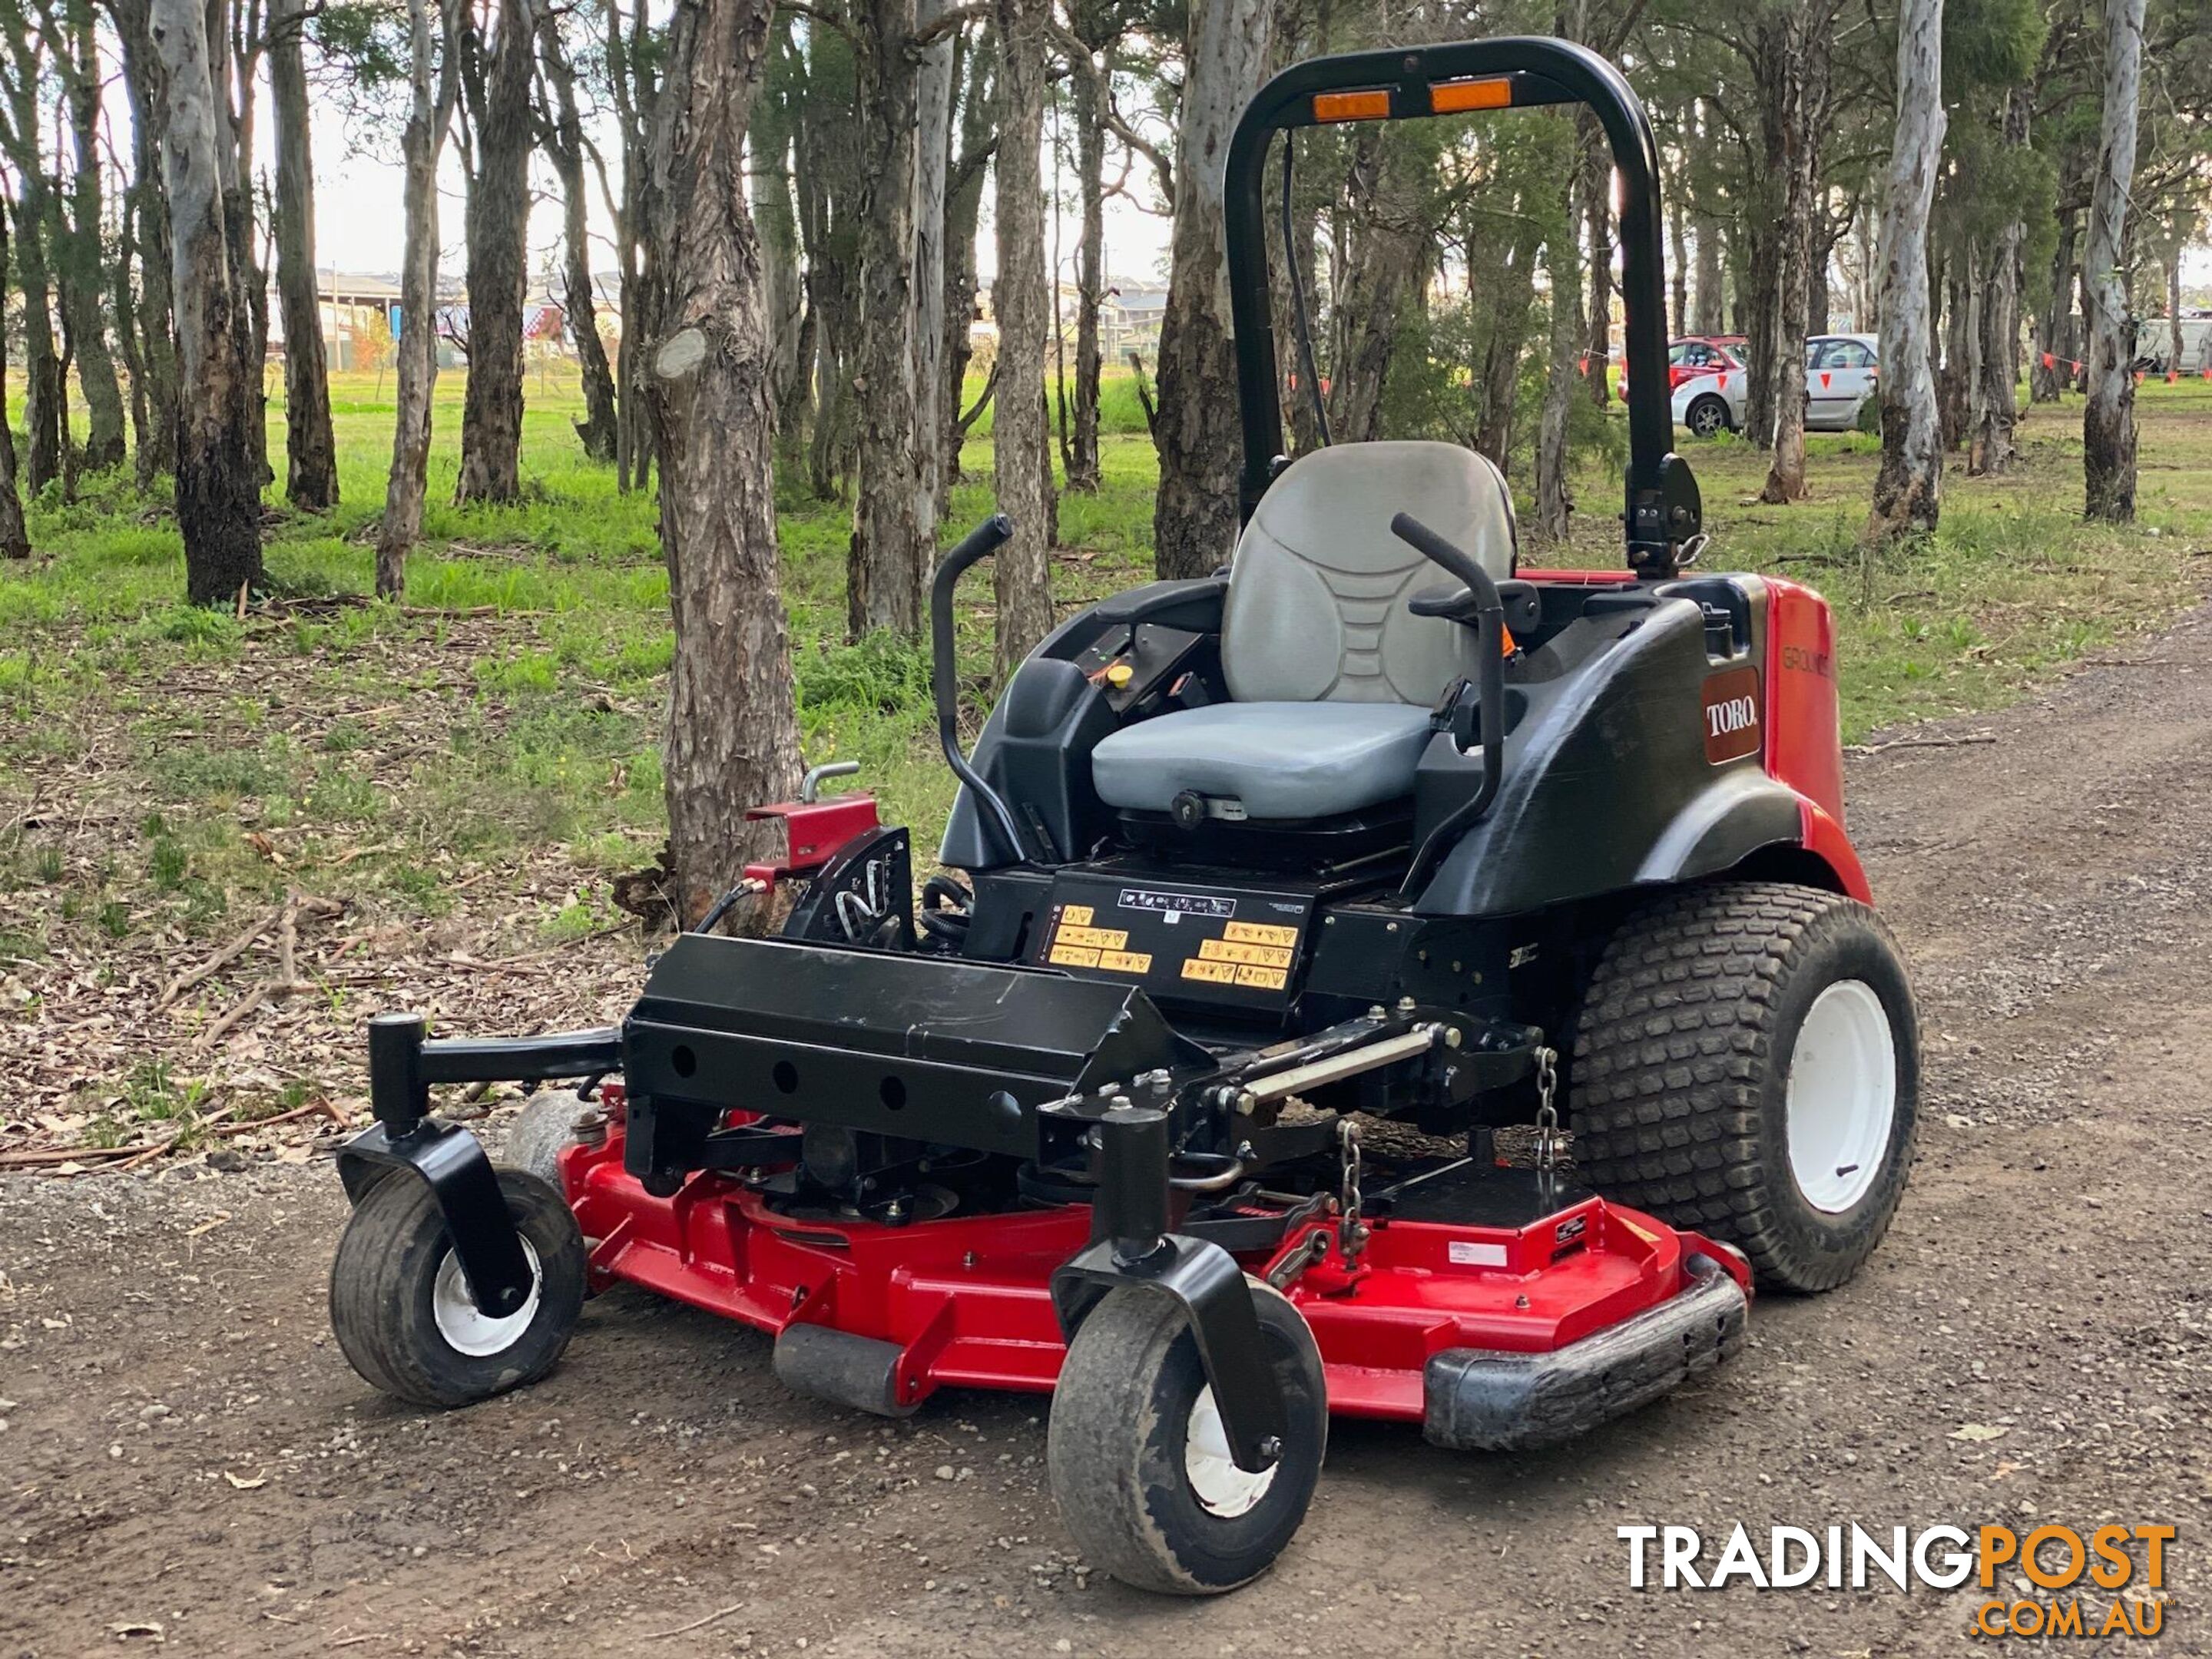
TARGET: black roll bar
(1663,507)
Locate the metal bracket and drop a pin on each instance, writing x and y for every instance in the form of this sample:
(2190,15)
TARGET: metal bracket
(1132,1246)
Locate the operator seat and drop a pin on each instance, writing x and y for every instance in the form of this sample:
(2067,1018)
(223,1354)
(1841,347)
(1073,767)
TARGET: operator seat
(1331,678)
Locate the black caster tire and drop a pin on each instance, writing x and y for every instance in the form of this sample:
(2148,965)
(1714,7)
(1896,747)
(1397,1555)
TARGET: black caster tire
(542,1131)
(401,1311)
(1746,1063)
(1139,1466)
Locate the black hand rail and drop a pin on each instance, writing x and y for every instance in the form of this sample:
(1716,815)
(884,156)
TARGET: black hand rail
(1663,510)
(1490,648)
(984,540)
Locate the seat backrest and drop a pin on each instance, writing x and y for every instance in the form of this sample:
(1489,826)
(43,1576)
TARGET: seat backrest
(1317,608)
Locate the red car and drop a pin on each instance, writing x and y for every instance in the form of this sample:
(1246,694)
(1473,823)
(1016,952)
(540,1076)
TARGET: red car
(1694,354)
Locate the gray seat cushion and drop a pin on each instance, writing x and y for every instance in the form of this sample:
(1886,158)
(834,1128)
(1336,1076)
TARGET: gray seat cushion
(1282,760)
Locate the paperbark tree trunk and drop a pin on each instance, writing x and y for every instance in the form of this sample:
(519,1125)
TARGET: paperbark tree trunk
(1088,105)
(434,92)
(1194,516)
(932,179)
(562,129)
(1678,263)
(783,290)
(828,183)
(14,539)
(963,206)
(311,457)
(1500,377)
(1803,98)
(82,266)
(1990,444)
(2054,335)
(1597,275)
(1023,465)
(497,90)
(218,483)
(235,113)
(1908,488)
(153,310)
(893,512)
(732,728)
(2108,422)
(1390,245)
(42,363)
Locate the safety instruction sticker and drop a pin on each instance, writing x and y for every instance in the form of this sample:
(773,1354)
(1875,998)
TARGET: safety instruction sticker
(1174,939)
(1255,932)
(1076,943)
(1210,973)
(1256,956)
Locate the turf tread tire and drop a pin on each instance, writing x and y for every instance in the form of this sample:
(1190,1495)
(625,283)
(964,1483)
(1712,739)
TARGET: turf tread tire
(386,1264)
(1677,1082)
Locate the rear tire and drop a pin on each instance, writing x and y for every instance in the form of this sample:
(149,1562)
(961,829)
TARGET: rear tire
(1139,1468)
(1746,1064)
(400,1309)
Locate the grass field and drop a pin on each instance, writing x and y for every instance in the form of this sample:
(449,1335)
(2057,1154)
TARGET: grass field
(489,749)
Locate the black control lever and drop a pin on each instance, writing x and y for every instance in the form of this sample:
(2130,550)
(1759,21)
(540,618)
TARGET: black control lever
(1490,668)
(984,540)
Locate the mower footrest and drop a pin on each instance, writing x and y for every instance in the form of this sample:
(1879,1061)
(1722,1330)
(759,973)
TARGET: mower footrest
(846,1370)
(1480,1399)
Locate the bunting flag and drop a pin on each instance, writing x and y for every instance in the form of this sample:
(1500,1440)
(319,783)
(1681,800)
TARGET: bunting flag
(2171,376)
(2139,377)
(2050,361)
(1581,366)
(1825,377)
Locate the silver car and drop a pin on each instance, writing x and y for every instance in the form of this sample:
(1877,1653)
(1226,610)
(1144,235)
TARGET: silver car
(1840,371)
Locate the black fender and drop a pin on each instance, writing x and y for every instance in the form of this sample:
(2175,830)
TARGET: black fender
(1607,784)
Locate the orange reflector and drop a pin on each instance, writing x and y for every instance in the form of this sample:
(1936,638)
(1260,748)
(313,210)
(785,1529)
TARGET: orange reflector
(1510,644)
(1450,97)
(1353,106)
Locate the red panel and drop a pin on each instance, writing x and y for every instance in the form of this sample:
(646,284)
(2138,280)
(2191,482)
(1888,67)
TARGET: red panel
(1804,748)
(969,1298)
(815,830)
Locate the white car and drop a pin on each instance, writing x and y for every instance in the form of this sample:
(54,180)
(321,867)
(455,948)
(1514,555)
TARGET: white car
(1840,371)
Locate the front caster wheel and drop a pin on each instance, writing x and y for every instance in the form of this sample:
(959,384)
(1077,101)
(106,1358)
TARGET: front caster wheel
(1141,1466)
(401,1309)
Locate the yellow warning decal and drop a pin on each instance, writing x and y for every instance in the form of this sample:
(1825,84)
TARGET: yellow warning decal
(1213,973)
(1267,979)
(1259,955)
(1073,956)
(1098,938)
(1126,962)
(1254,933)
(1075,915)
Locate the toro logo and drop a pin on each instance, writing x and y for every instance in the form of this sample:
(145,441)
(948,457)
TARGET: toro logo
(1731,715)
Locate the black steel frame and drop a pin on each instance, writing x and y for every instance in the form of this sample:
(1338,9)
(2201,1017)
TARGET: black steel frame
(1663,507)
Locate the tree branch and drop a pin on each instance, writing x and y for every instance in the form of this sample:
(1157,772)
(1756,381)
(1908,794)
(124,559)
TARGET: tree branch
(947,22)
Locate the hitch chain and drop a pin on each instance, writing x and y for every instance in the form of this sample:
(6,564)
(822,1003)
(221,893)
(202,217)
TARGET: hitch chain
(1351,1231)
(1547,1114)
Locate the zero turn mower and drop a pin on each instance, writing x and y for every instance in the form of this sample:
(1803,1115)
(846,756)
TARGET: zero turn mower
(1271,880)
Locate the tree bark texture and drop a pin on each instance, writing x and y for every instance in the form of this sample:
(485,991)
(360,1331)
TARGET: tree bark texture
(497,84)
(14,539)
(311,456)
(42,364)
(1194,516)
(1989,447)
(564,146)
(2108,421)
(932,169)
(1020,296)
(1803,96)
(1908,488)
(218,482)
(1088,104)
(146,94)
(434,92)
(733,727)
(783,291)
(828,182)
(81,266)
(1390,246)
(894,512)
(963,206)
(1597,274)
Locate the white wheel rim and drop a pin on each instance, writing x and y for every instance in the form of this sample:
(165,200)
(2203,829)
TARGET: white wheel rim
(1843,1096)
(465,1326)
(1220,1486)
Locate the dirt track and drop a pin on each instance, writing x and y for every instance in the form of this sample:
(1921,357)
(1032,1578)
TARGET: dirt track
(185,1448)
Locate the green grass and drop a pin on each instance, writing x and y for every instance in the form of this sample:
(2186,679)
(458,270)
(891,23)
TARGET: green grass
(512,708)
